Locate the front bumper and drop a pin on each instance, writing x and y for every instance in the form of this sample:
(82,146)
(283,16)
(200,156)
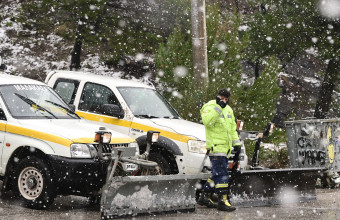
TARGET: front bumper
(77,176)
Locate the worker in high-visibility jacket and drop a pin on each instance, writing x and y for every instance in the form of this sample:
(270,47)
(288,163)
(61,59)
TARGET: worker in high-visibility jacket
(221,138)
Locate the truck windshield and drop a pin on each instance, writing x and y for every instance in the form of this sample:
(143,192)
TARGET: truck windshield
(34,101)
(147,103)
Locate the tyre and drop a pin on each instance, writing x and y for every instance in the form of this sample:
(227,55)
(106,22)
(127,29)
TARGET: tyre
(33,183)
(163,168)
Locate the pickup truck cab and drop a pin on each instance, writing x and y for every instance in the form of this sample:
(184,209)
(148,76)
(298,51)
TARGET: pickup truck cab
(45,147)
(133,108)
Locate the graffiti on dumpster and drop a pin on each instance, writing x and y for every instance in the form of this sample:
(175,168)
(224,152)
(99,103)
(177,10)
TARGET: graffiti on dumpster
(308,154)
(330,147)
(315,146)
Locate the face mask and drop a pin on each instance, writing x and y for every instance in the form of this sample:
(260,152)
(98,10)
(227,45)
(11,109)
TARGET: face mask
(220,102)
(217,99)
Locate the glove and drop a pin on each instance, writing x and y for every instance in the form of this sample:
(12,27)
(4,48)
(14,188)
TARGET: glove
(237,151)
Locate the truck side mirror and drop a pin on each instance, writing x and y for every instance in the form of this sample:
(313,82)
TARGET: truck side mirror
(112,110)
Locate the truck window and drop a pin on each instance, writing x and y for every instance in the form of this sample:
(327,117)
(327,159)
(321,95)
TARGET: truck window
(149,102)
(30,101)
(67,89)
(2,114)
(94,96)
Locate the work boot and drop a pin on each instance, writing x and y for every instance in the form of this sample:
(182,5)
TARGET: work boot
(224,203)
(205,199)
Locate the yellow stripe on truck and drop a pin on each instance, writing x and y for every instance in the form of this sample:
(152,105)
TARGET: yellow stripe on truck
(168,134)
(54,138)
(2,126)
(104,119)
(134,125)
(38,135)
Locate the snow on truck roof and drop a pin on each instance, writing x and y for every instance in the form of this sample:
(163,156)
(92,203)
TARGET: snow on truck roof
(6,79)
(104,80)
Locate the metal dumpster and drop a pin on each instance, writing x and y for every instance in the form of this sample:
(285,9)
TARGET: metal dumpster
(315,143)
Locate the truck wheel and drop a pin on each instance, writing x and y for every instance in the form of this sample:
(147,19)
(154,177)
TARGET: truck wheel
(33,183)
(164,167)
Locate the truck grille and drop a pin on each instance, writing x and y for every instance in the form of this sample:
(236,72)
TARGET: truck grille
(107,148)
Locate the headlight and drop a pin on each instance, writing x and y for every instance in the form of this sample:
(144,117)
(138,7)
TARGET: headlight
(80,151)
(197,146)
(135,144)
(93,151)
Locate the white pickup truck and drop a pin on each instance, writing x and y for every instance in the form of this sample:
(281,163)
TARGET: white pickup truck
(45,148)
(133,108)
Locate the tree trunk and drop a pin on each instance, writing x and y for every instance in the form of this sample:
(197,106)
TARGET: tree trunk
(199,48)
(237,6)
(76,52)
(326,91)
(257,69)
(199,43)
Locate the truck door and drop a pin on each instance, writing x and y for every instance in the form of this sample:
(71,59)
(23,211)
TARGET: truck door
(67,89)
(3,123)
(93,97)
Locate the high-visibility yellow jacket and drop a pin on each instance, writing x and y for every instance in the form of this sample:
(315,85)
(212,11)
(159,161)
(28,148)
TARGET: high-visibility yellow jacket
(220,128)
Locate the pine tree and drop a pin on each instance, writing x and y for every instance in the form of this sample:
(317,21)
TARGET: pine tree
(289,28)
(174,60)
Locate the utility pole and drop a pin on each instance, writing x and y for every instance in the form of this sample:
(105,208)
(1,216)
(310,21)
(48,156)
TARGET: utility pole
(199,44)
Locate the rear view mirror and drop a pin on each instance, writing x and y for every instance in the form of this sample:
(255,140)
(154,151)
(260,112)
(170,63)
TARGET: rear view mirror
(112,110)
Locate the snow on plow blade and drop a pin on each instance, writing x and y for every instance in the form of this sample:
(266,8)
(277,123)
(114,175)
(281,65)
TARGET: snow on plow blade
(274,186)
(131,195)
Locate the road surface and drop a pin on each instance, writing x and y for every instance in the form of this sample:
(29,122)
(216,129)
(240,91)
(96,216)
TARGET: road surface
(327,206)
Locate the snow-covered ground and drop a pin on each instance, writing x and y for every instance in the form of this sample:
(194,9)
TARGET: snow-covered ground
(28,53)
(274,147)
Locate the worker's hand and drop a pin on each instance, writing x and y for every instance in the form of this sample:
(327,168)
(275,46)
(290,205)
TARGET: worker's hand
(234,168)
(237,151)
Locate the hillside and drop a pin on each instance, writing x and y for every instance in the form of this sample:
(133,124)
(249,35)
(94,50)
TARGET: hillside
(31,53)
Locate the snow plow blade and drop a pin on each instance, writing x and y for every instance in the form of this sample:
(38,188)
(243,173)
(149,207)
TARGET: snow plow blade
(130,195)
(274,186)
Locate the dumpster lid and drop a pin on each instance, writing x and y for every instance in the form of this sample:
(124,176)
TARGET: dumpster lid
(312,120)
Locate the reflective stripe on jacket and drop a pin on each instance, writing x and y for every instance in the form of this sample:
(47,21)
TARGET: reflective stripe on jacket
(220,128)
